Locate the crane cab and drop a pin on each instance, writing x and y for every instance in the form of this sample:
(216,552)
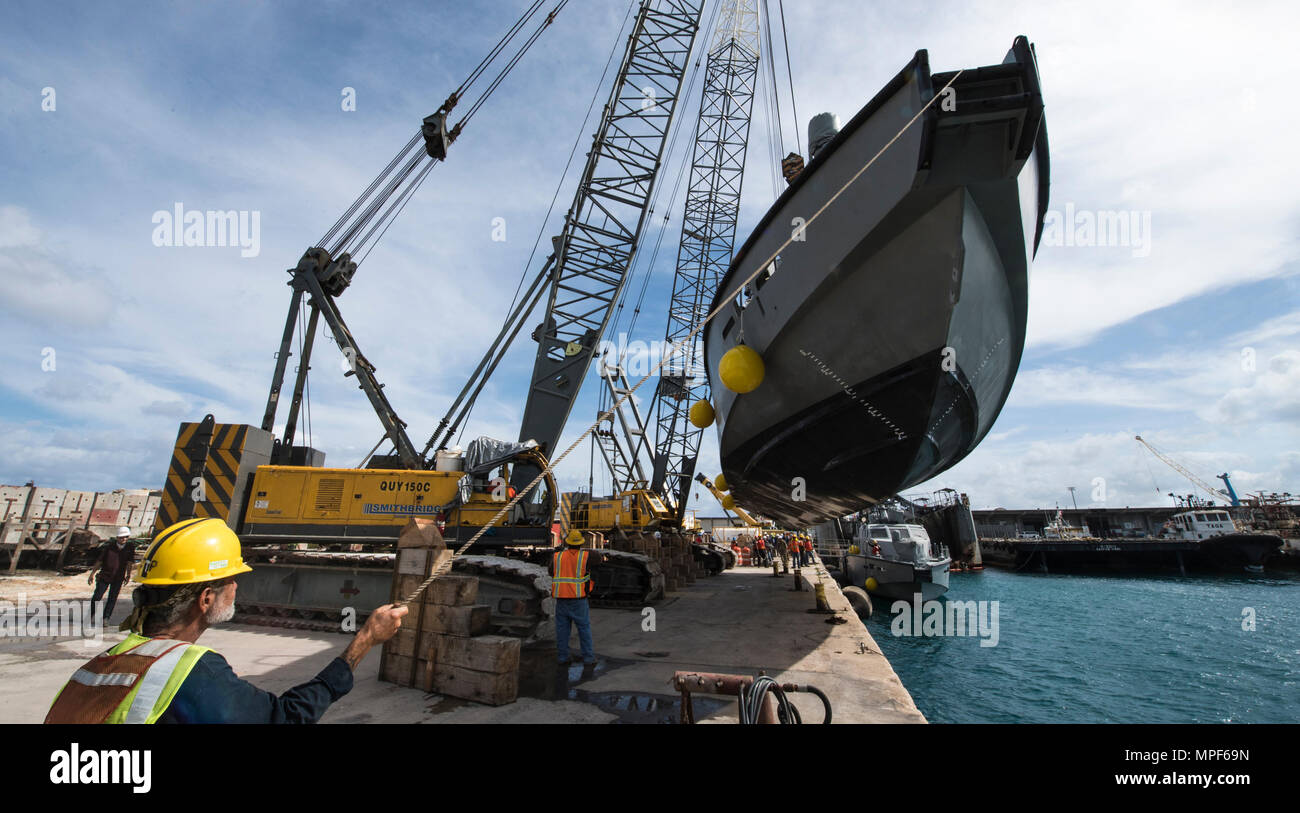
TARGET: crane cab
(636,510)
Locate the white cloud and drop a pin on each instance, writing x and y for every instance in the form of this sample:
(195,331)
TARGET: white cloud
(16,228)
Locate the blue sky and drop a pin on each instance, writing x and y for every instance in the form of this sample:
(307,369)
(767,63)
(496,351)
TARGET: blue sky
(1157,108)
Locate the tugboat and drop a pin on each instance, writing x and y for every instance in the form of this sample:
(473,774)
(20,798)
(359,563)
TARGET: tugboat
(1220,543)
(888,332)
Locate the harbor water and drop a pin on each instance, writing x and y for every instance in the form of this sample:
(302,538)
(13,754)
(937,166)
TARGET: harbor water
(1089,649)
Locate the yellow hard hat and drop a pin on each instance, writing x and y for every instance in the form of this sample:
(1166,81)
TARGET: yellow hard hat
(575,538)
(192,551)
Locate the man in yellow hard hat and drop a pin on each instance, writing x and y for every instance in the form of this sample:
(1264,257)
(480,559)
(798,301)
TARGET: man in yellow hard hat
(159,674)
(571,585)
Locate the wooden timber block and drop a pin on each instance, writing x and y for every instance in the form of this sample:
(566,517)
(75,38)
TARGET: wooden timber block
(461,621)
(451,589)
(420,533)
(403,643)
(421,561)
(404,584)
(455,591)
(481,687)
(496,654)
(397,669)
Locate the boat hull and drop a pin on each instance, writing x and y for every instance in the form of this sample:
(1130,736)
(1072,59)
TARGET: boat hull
(899,581)
(1240,551)
(891,328)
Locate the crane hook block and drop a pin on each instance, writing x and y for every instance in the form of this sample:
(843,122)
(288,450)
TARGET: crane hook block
(436,140)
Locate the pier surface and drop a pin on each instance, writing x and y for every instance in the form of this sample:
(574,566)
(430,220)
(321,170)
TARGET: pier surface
(739,622)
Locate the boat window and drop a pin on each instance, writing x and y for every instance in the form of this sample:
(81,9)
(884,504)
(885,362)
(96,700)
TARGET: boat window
(1200,518)
(1222,517)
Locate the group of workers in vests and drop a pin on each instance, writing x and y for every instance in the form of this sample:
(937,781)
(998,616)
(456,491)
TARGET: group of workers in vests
(791,548)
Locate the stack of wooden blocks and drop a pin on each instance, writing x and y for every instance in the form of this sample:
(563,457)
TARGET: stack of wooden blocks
(672,551)
(441,646)
(678,563)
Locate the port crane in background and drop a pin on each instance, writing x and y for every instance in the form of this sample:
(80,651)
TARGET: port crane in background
(355,511)
(1232,492)
(1198,482)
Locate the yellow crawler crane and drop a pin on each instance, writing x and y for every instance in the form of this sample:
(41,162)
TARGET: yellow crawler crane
(370,506)
(323,538)
(638,522)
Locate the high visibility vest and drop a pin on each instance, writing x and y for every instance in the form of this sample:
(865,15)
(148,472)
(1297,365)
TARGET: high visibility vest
(133,682)
(570,569)
(762,545)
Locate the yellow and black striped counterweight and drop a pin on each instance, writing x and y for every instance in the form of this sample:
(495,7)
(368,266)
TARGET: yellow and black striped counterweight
(211,471)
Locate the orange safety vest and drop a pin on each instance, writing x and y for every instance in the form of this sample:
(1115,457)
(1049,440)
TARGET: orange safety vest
(133,682)
(762,545)
(570,579)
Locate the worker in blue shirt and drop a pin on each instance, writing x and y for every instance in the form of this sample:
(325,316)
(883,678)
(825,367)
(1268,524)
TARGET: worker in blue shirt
(159,674)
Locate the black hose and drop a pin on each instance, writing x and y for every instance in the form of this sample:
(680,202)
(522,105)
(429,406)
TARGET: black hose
(826,702)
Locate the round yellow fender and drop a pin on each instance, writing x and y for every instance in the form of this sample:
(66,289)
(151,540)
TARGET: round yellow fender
(872,584)
(741,369)
(720,482)
(702,414)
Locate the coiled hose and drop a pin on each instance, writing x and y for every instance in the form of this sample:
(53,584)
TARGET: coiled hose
(753,696)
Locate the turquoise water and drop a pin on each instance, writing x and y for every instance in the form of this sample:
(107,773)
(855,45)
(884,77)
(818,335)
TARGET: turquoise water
(1087,649)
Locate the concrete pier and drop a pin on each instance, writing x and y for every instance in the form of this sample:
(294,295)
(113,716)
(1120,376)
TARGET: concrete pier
(739,622)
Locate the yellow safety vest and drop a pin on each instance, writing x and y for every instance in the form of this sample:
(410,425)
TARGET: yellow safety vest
(570,579)
(133,682)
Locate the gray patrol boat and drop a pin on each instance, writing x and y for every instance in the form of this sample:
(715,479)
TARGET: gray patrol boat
(892,326)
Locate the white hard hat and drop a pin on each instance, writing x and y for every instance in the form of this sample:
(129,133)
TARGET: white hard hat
(656,534)
(123,531)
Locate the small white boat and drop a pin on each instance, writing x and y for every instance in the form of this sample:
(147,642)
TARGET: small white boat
(897,562)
